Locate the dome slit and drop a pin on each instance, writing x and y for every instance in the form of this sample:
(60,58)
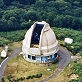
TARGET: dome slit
(36,35)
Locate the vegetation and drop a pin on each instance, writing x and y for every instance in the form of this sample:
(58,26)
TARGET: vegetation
(11,78)
(77,69)
(76,46)
(24,71)
(61,33)
(20,14)
(13,36)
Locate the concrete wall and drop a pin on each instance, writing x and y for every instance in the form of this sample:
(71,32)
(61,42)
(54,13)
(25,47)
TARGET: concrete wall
(40,59)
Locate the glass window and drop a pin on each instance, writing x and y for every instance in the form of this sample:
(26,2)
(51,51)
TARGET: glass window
(29,56)
(48,57)
(33,57)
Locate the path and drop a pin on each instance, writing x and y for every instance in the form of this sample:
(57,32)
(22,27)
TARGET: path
(13,54)
(63,62)
(65,58)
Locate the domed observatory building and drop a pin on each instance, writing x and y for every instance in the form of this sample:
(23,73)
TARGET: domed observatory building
(40,44)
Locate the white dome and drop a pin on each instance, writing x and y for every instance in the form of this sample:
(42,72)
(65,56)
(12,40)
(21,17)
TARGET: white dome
(40,40)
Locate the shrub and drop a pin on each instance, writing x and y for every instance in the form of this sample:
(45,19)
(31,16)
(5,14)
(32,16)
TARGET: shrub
(34,76)
(55,61)
(38,75)
(28,77)
(22,78)
(9,77)
(2,80)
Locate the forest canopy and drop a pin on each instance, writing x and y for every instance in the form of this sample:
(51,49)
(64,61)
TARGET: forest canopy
(20,14)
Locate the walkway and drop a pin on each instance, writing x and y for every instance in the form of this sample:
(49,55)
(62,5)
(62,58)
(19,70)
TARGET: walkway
(63,62)
(65,58)
(13,54)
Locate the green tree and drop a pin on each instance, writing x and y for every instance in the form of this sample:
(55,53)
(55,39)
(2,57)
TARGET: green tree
(2,80)
(27,2)
(41,3)
(76,24)
(32,15)
(2,5)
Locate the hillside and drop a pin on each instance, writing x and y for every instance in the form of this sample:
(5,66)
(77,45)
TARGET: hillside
(61,33)
(20,14)
(13,40)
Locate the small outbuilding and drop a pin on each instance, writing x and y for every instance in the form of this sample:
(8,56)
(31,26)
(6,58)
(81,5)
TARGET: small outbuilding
(68,40)
(40,44)
(3,54)
(6,48)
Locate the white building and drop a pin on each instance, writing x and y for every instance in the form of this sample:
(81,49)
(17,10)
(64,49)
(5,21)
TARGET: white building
(3,54)
(40,44)
(68,40)
(6,48)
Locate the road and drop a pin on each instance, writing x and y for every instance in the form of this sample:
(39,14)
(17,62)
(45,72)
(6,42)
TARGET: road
(13,54)
(64,60)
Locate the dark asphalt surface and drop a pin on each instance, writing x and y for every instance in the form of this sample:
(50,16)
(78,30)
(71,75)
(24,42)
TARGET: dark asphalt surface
(64,60)
(13,54)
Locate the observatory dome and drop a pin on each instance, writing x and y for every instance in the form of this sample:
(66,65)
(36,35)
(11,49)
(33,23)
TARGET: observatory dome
(40,44)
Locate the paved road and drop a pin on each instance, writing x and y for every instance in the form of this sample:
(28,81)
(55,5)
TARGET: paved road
(13,54)
(64,60)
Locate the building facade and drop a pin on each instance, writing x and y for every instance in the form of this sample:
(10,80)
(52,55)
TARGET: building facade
(40,44)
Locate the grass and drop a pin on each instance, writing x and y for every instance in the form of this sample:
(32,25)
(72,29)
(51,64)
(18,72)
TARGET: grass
(62,33)
(22,68)
(10,37)
(64,76)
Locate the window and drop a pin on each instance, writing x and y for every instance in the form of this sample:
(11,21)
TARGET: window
(29,56)
(55,54)
(33,57)
(48,57)
(36,34)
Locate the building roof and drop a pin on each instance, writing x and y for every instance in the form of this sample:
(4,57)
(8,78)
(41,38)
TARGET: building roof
(68,40)
(40,40)
(3,53)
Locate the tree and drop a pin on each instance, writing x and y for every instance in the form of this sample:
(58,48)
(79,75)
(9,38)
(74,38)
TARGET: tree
(41,3)
(51,17)
(32,15)
(2,5)
(2,80)
(27,2)
(50,0)
(7,2)
(76,24)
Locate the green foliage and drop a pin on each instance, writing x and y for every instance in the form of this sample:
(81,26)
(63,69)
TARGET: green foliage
(76,46)
(77,69)
(1,59)
(34,76)
(61,34)
(15,14)
(10,78)
(2,80)
(38,75)
(13,36)
(55,61)
(20,79)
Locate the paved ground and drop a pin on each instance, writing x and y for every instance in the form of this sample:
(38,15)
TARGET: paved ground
(65,58)
(13,54)
(63,62)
